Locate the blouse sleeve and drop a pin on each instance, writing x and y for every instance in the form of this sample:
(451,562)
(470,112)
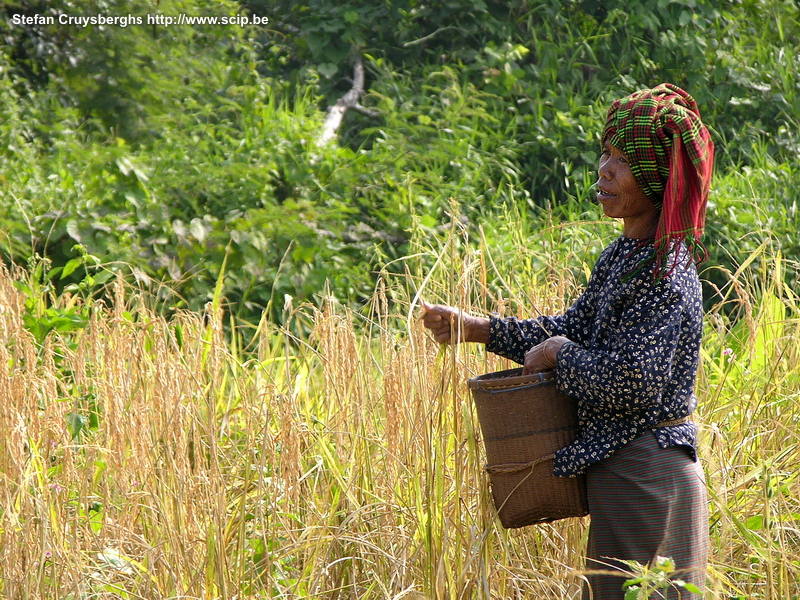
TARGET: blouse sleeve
(634,366)
(512,338)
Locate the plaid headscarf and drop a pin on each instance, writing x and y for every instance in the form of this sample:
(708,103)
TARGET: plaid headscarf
(671,156)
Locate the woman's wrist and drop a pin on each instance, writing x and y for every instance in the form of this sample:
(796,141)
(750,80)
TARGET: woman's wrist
(478,330)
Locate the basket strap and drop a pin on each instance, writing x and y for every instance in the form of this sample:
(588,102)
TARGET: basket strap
(517,467)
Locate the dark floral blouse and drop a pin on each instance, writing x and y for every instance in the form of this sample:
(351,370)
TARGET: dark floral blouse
(632,358)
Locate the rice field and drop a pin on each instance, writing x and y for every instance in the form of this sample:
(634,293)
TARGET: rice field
(338,455)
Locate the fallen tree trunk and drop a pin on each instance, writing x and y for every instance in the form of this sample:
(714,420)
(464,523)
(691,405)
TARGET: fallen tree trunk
(349,100)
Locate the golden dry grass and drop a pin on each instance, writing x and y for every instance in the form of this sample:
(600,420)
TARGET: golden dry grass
(151,458)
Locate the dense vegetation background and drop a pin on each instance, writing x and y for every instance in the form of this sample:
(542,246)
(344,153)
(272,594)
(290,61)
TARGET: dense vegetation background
(165,152)
(295,433)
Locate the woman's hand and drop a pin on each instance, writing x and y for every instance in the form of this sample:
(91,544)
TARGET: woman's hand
(451,325)
(542,357)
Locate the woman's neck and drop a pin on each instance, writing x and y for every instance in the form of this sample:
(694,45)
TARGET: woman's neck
(639,228)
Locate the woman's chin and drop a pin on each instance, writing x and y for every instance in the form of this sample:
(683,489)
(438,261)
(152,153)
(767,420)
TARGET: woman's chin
(608,210)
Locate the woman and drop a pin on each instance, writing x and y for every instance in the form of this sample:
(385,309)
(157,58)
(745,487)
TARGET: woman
(628,349)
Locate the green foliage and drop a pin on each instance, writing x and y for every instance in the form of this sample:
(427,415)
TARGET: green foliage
(317,37)
(45,312)
(115,76)
(650,578)
(166,151)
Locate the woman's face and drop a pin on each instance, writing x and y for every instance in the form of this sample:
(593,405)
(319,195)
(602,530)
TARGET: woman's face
(622,198)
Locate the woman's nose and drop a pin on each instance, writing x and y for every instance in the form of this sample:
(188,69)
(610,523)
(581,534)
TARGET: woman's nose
(604,170)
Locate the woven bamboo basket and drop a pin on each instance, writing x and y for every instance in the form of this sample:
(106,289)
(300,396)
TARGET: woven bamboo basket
(525,420)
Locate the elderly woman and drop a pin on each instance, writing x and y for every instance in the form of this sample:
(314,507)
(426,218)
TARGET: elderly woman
(628,348)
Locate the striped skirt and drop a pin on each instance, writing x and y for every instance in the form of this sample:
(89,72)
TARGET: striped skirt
(646,501)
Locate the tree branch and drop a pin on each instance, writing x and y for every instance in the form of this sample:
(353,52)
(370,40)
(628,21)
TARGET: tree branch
(350,100)
(429,36)
(373,114)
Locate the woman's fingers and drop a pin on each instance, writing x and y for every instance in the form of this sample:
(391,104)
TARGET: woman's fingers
(451,325)
(536,360)
(439,319)
(542,357)
(435,315)
(532,360)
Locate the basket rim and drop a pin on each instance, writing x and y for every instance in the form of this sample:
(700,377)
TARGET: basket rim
(509,378)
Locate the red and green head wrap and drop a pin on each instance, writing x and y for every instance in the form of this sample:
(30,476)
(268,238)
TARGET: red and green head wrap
(671,156)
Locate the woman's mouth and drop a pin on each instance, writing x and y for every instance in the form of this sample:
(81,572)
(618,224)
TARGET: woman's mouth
(602,194)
